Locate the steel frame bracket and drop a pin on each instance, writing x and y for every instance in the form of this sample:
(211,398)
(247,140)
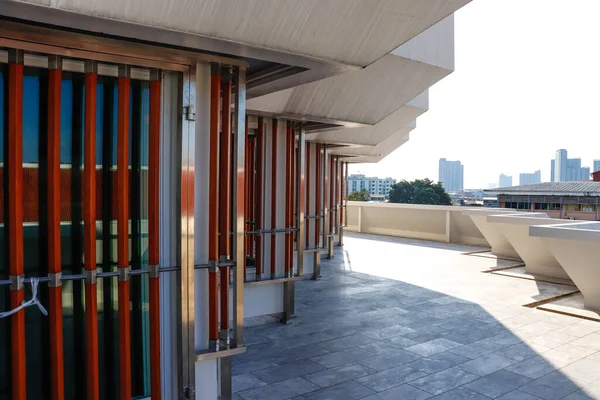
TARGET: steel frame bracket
(123,274)
(90,276)
(17,282)
(213,266)
(154,271)
(55,279)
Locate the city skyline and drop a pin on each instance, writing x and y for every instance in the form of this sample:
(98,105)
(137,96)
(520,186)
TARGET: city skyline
(536,125)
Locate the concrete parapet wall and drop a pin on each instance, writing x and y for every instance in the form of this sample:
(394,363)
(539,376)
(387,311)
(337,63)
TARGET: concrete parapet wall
(437,223)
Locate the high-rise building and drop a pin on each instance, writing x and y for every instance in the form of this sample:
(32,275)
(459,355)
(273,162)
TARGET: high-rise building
(596,165)
(531,178)
(358,182)
(451,175)
(566,169)
(552,175)
(504,181)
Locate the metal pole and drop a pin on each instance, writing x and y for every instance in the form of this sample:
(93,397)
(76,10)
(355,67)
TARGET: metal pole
(274,134)
(259,196)
(300,197)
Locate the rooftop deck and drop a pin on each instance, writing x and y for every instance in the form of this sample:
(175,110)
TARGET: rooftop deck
(408,319)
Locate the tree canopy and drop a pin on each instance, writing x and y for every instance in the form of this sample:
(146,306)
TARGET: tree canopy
(363,195)
(420,191)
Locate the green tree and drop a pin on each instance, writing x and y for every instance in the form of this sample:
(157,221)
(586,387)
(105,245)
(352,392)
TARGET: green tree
(420,191)
(363,195)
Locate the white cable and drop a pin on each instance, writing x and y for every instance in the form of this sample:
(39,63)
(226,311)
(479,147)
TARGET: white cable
(33,301)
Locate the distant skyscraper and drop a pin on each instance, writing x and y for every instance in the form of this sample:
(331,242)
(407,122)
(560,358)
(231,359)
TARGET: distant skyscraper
(530,179)
(504,181)
(552,175)
(451,175)
(596,165)
(566,169)
(560,165)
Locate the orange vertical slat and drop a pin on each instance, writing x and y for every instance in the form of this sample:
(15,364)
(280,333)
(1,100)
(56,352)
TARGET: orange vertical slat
(213,205)
(307,177)
(15,225)
(288,160)
(246,195)
(317,196)
(57,379)
(259,196)
(252,197)
(273,196)
(331,192)
(123,236)
(153,235)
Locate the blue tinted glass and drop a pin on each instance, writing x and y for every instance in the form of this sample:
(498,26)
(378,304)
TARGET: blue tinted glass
(66,122)
(31,119)
(1,117)
(99,121)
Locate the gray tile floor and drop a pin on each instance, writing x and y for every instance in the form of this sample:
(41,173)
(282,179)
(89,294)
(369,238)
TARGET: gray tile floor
(401,319)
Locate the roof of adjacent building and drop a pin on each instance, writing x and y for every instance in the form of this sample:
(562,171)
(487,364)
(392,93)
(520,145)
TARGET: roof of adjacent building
(577,188)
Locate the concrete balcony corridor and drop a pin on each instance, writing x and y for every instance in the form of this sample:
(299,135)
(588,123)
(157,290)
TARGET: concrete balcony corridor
(406,319)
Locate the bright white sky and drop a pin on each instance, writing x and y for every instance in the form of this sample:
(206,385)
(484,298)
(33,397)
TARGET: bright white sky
(527,82)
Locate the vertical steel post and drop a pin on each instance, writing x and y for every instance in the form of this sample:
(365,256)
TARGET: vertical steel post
(288,199)
(186,343)
(238,211)
(89,227)
(332,211)
(346,197)
(274,133)
(325,201)
(154,233)
(343,199)
(15,222)
(307,230)
(318,204)
(57,377)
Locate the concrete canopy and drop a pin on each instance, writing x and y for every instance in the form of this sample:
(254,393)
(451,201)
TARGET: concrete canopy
(373,154)
(374,135)
(369,95)
(350,32)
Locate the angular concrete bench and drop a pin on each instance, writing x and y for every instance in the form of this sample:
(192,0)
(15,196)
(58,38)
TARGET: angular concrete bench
(532,250)
(501,247)
(576,247)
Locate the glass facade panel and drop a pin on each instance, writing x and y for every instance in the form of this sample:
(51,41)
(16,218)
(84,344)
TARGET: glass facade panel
(35,175)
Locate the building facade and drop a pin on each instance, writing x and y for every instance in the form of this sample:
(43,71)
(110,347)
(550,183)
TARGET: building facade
(596,165)
(530,178)
(451,175)
(375,186)
(571,200)
(164,177)
(566,169)
(504,181)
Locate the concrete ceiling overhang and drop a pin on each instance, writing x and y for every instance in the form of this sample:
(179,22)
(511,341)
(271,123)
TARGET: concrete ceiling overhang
(374,154)
(370,95)
(323,37)
(373,135)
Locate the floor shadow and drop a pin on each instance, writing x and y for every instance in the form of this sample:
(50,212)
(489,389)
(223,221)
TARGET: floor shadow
(357,335)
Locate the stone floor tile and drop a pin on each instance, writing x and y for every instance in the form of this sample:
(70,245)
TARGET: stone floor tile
(401,341)
(438,362)
(518,395)
(553,339)
(288,371)
(343,391)
(586,371)
(520,352)
(380,347)
(588,392)
(567,354)
(460,393)
(244,368)
(591,341)
(389,378)
(346,342)
(580,329)
(388,332)
(343,357)
(553,386)
(298,353)
(245,381)
(432,347)
(498,383)
(405,392)
(338,375)
(477,349)
(534,367)
(487,364)
(280,390)
(444,381)
(390,360)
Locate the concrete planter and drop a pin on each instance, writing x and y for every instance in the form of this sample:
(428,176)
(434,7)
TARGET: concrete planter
(532,250)
(576,247)
(501,247)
